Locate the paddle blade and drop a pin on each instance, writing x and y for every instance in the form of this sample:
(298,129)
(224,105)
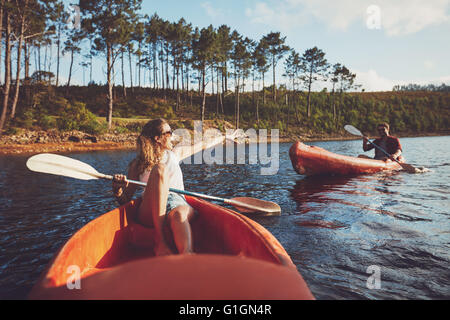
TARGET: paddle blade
(411,169)
(351,129)
(62,166)
(252,205)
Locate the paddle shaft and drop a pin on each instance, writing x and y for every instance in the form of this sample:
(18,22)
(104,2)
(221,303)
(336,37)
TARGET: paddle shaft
(68,167)
(188,193)
(199,195)
(382,150)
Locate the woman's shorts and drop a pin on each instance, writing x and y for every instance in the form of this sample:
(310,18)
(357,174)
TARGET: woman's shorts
(174,200)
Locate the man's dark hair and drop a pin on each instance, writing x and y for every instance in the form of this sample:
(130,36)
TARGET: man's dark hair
(384,124)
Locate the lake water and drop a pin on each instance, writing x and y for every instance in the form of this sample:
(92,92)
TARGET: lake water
(340,232)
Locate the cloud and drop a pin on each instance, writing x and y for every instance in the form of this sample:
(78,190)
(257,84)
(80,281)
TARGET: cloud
(210,10)
(428,64)
(279,17)
(408,17)
(400,17)
(372,81)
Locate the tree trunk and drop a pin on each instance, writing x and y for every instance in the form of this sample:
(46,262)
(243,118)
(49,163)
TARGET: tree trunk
(58,46)
(39,62)
(237,105)
(253,87)
(226,77)
(90,67)
(162,73)
(223,84)
(7,71)
(19,56)
(221,96)
(274,85)
(131,70)
(27,61)
(293,102)
(123,79)
(212,81)
(334,105)
(257,111)
(139,64)
(110,85)
(188,78)
(70,72)
(264,91)
(167,68)
(218,93)
(45,57)
(178,91)
(204,95)
(174,67)
(309,99)
(155,71)
(309,93)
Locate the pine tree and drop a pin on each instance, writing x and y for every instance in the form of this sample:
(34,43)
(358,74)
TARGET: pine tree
(109,24)
(314,67)
(277,49)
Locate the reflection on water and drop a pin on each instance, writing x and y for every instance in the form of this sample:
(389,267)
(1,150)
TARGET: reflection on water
(333,228)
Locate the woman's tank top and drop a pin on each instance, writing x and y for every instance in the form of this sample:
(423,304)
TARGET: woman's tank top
(171,160)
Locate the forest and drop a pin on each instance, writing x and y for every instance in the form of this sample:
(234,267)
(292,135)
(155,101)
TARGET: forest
(157,68)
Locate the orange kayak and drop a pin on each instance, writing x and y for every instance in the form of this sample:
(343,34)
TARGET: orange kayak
(312,160)
(112,258)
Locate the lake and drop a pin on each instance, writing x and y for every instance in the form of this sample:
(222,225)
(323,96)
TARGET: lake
(339,231)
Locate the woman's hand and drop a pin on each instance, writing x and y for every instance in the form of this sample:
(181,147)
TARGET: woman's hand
(119,182)
(235,135)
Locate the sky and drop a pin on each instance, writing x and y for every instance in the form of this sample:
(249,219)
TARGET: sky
(384,42)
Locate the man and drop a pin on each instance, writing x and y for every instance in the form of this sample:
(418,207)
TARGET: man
(388,143)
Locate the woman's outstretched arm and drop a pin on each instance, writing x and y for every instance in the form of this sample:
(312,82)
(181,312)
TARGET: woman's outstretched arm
(185,150)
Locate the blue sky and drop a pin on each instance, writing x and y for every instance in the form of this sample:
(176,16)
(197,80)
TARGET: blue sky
(385,42)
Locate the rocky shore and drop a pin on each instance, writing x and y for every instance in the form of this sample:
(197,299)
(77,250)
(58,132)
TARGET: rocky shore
(53,141)
(32,142)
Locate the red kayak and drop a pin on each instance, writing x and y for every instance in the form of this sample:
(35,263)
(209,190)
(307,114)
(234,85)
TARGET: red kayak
(312,160)
(112,258)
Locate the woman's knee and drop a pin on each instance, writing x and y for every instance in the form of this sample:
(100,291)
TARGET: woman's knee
(181,214)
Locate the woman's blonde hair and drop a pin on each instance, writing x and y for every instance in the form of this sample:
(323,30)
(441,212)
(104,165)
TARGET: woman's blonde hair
(149,152)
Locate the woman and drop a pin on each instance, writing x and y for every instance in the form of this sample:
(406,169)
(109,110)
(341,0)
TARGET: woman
(157,163)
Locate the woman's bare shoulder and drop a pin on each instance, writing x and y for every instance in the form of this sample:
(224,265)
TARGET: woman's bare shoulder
(133,170)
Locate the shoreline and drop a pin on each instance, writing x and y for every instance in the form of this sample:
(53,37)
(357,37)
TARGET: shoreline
(128,143)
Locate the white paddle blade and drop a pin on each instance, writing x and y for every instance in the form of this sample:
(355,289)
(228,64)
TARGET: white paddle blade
(252,205)
(62,166)
(351,129)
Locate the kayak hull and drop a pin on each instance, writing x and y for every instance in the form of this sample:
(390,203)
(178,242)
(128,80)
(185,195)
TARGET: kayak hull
(312,160)
(112,258)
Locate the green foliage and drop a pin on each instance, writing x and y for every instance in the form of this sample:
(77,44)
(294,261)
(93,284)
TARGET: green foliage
(25,119)
(77,117)
(46,122)
(407,112)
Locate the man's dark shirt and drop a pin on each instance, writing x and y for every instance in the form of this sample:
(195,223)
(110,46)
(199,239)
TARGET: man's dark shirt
(392,145)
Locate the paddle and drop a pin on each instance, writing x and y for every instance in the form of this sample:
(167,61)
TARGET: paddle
(68,167)
(407,167)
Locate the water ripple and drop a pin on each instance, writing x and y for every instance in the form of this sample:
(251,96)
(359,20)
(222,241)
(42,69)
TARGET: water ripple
(332,227)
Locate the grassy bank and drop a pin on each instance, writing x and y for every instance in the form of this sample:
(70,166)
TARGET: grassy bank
(84,109)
